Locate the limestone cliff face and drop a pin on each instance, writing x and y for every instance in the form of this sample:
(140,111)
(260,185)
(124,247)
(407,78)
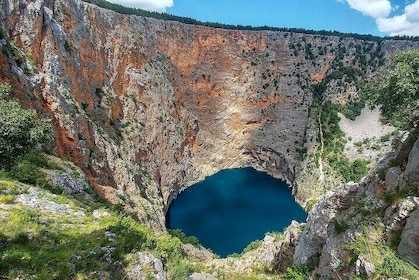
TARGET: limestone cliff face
(366,214)
(147,107)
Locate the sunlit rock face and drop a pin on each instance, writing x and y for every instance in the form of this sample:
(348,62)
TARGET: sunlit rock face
(147,107)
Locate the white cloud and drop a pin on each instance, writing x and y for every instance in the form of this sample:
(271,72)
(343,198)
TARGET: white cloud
(373,8)
(412,12)
(151,5)
(405,24)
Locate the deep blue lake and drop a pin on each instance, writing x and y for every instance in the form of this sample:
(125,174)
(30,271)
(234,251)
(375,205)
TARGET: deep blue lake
(233,207)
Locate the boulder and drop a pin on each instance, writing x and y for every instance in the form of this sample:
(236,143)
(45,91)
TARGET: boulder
(283,258)
(393,178)
(409,245)
(412,168)
(200,253)
(67,183)
(201,276)
(364,268)
(146,266)
(395,218)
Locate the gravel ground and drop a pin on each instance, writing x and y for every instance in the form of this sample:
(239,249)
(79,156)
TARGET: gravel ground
(367,128)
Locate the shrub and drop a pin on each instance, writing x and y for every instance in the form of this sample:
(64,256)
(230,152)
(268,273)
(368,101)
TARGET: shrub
(7,198)
(20,131)
(28,172)
(297,272)
(385,138)
(396,90)
(391,197)
(340,225)
(252,246)
(183,238)
(180,270)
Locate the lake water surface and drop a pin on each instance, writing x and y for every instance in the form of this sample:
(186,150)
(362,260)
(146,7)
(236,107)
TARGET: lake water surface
(233,207)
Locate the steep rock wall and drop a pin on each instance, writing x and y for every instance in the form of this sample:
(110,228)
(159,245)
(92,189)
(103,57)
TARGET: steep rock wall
(366,213)
(147,107)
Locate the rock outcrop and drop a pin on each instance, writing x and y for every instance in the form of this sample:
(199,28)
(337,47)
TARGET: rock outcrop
(146,266)
(354,223)
(412,167)
(408,247)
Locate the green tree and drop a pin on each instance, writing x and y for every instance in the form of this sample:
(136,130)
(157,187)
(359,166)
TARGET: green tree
(396,90)
(20,129)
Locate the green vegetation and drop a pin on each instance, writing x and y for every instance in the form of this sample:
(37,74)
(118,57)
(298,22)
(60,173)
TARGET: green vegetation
(334,143)
(183,238)
(38,247)
(68,46)
(396,90)
(372,248)
(38,244)
(373,242)
(44,245)
(340,225)
(392,197)
(6,198)
(352,109)
(20,131)
(298,272)
(354,106)
(252,246)
(27,169)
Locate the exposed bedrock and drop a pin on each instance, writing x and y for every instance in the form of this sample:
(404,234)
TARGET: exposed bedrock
(339,219)
(147,107)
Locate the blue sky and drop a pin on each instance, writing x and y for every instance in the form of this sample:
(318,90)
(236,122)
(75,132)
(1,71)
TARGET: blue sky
(376,17)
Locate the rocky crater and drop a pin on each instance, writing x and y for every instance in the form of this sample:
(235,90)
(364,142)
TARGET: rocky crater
(147,107)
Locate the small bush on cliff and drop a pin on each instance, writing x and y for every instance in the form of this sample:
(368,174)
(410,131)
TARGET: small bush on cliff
(298,272)
(252,246)
(184,238)
(20,129)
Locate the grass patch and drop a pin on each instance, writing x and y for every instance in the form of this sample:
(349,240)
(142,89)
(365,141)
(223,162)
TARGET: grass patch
(44,247)
(10,187)
(297,272)
(278,236)
(69,246)
(28,170)
(396,196)
(7,198)
(370,246)
(311,203)
(385,138)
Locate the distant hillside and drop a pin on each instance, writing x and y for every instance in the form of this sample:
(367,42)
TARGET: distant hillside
(139,12)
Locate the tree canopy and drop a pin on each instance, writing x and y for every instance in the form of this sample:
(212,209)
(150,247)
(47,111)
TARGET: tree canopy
(396,90)
(20,129)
